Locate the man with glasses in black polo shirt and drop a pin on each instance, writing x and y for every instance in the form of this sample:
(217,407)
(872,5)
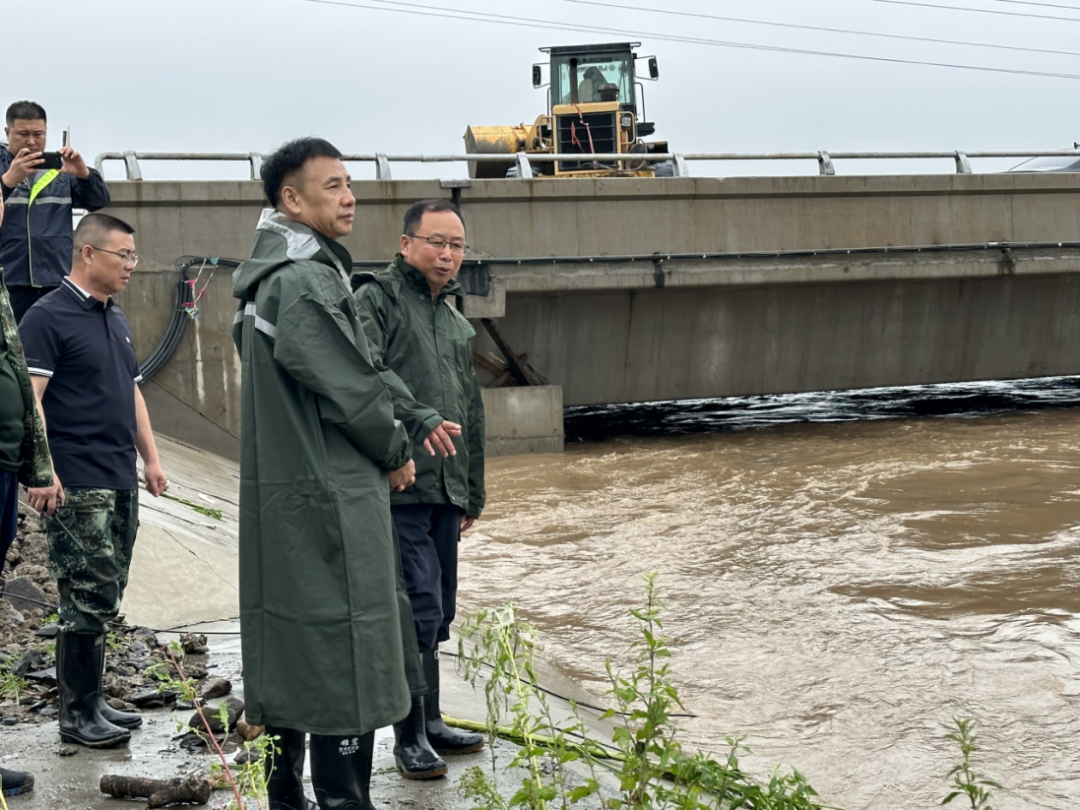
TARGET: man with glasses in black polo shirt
(85,376)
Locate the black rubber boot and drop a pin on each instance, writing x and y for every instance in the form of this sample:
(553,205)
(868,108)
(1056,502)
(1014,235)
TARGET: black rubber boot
(12,783)
(444,739)
(341,771)
(413,754)
(78,680)
(117,718)
(285,771)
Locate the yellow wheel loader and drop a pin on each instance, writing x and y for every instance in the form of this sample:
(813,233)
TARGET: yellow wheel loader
(595,106)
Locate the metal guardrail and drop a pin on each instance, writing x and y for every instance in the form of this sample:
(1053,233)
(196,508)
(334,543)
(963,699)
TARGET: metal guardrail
(524,162)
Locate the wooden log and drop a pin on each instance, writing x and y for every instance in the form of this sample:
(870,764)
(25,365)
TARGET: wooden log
(506,377)
(160,792)
(520,370)
(483,362)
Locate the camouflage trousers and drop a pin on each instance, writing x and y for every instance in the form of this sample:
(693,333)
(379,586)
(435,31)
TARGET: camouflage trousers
(91,538)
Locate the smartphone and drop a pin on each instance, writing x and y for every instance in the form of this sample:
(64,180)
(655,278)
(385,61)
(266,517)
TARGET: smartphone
(51,160)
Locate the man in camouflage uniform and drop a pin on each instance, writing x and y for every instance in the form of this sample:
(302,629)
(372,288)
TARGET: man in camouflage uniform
(85,375)
(24,458)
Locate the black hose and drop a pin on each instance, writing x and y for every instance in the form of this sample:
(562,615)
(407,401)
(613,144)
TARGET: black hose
(169,343)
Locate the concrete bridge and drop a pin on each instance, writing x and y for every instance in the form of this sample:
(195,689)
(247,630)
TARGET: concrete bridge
(627,290)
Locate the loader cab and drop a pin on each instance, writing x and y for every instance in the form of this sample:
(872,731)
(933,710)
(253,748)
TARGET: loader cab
(582,76)
(595,103)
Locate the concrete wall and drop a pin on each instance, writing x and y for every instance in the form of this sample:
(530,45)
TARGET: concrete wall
(512,218)
(649,345)
(523,420)
(609,333)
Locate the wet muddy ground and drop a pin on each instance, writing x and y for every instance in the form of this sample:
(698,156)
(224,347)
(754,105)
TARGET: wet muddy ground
(68,776)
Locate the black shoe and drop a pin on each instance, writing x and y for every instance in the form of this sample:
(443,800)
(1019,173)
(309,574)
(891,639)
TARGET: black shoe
(12,783)
(341,771)
(285,771)
(413,754)
(78,680)
(117,718)
(444,739)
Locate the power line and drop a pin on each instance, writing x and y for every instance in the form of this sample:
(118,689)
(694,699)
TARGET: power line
(527,22)
(1032,3)
(821,28)
(978,10)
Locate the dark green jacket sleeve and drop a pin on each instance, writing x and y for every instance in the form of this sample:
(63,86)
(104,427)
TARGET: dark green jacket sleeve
(35,461)
(315,344)
(477,494)
(380,323)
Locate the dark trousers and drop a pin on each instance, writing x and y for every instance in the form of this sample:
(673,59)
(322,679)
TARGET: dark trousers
(9,512)
(429,535)
(22,298)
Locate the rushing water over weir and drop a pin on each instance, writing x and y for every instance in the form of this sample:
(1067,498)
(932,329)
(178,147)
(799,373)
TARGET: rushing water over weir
(844,574)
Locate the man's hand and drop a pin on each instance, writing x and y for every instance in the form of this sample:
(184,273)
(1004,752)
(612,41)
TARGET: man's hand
(22,166)
(467,523)
(441,439)
(46,499)
(156,482)
(405,477)
(74,164)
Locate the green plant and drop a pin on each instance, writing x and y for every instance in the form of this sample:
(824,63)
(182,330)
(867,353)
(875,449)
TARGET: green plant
(966,781)
(250,775)
(648,763)
(249,780)
(501,640)
(210,512)
(705,782)
(645,699)
(115,642)
(11,685)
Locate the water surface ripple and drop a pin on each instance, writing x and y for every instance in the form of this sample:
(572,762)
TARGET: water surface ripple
(844,574)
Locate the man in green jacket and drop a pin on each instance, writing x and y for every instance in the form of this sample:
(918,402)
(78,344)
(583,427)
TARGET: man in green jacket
(24,458)
(322,636)
(415,331)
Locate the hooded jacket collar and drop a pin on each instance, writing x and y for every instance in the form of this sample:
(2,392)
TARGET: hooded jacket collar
(279,240)
(416,280)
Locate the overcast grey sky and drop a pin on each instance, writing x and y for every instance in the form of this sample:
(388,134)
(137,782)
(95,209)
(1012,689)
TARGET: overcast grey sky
(244,75)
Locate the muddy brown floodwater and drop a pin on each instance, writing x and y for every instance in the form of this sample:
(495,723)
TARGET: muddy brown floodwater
(836,591)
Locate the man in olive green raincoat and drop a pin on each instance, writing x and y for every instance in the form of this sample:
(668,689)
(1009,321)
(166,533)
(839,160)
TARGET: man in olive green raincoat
(414,329)
(321,626)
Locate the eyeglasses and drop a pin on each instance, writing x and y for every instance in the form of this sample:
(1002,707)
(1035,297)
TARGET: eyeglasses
(125,256)
(455,247)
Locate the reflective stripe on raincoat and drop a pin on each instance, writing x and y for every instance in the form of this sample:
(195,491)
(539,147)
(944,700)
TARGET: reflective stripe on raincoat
(320,606)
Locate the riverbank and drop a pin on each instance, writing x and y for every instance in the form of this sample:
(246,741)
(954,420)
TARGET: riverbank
(68,776)
(183,581)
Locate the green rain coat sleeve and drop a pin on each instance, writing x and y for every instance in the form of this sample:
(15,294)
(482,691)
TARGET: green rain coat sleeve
(36,463)
(379,322)
(351,391)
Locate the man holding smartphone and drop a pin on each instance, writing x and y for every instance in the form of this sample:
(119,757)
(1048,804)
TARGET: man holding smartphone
(40,189)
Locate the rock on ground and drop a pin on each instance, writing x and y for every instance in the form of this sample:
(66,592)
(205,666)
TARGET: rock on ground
(28,648)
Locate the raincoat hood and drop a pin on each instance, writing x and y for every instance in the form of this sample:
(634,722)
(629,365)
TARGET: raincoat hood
(280,241)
